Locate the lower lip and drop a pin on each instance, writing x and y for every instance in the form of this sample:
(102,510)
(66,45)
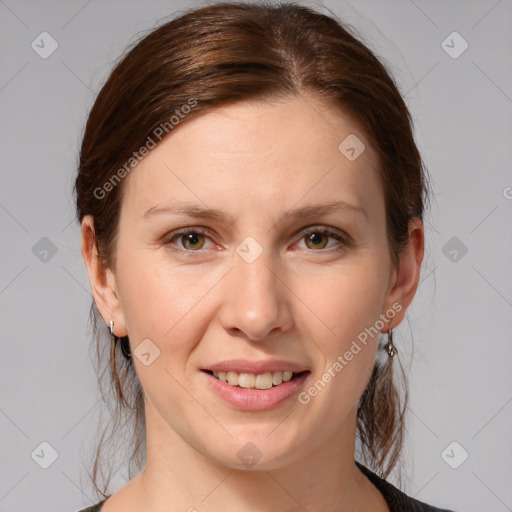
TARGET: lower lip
(255,399)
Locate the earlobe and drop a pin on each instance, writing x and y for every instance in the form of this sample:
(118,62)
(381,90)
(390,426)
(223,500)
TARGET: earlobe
(407,273)
(101,279)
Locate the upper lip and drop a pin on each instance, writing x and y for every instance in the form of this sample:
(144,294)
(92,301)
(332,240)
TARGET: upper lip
(256,367)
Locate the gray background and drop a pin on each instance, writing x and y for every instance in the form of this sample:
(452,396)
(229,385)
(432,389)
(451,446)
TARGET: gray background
(460,378)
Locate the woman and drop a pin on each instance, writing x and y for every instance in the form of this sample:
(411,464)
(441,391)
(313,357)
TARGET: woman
(251,200)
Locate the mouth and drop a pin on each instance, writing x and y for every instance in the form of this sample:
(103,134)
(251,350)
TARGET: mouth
(255,391)
(266,380)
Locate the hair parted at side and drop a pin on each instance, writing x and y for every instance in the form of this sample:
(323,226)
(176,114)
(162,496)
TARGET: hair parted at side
(216,55)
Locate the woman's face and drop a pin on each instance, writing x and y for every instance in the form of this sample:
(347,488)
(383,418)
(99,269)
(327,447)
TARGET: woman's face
(263,289)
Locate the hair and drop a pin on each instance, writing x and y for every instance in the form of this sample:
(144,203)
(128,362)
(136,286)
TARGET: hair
(217,55)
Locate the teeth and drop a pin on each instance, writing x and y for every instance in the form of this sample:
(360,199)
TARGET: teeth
(232,378)
(247,380)
(263,380)
(250,380)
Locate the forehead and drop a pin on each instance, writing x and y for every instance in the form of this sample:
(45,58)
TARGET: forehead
(258,154)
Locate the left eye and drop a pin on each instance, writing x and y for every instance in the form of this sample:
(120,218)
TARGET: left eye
(317,238)
(194,239)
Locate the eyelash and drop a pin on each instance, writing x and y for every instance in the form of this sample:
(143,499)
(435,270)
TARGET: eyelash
(206,232)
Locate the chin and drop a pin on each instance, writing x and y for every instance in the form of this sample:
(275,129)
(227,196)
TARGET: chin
(254,452)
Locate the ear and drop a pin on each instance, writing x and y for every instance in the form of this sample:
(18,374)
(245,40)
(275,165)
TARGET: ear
(101,279)
(405,278)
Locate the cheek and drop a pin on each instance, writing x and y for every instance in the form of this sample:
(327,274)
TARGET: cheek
(346,299)
(146,297)
(164,303)
(164,307)
(347,305)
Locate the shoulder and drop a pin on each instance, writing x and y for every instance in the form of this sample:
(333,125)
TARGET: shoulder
(396,499)
(93,508)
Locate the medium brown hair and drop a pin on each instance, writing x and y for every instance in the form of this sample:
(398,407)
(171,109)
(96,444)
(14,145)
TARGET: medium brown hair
(217,55)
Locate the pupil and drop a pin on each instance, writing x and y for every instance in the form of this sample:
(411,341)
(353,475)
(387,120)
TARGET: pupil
(316,238)
(192,238)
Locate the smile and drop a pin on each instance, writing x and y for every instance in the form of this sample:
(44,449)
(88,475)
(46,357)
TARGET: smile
(255,391)
(264,380)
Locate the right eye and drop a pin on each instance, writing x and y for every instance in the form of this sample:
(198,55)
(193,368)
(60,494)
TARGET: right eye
(193,239)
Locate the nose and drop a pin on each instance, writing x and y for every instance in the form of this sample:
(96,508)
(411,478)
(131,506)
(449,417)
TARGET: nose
(256,299)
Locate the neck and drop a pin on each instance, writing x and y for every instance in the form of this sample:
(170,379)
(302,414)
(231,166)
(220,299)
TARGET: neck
(178,475)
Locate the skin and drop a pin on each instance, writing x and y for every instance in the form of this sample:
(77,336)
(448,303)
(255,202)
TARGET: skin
(300,301)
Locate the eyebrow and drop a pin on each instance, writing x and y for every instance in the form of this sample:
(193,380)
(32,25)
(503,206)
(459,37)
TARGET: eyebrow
(195,211)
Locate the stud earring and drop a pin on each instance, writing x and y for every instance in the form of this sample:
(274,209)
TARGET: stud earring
(111,326)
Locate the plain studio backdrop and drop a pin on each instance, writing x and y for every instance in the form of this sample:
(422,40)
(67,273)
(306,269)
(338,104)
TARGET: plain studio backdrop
(451,60)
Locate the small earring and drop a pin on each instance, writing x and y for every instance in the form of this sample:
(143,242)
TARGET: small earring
(391,349)
(111,326)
